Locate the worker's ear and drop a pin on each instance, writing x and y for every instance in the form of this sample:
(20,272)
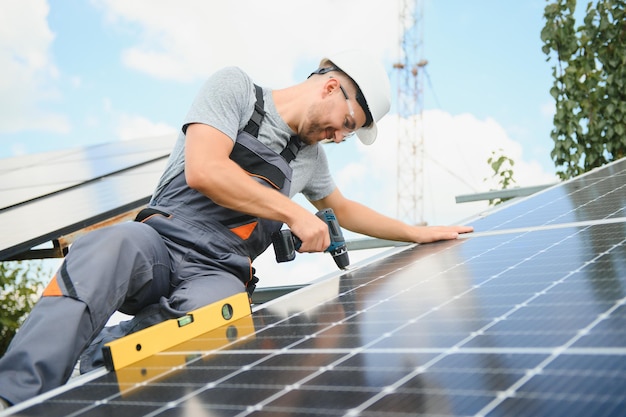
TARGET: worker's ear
(330,86)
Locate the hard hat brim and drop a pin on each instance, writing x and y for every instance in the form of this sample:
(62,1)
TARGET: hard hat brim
(367,135)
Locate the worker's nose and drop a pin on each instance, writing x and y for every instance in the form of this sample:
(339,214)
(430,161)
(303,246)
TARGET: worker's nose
(339,136)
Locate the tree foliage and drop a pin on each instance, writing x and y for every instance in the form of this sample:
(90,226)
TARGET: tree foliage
(502,167)
(20,286)
(589,83)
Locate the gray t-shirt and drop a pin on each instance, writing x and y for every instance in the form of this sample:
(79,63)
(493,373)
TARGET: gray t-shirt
(226,102)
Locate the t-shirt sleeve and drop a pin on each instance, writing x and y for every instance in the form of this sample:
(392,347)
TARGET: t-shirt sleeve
(223,102)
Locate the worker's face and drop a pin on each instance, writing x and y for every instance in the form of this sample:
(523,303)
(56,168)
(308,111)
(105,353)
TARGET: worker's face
(335,118)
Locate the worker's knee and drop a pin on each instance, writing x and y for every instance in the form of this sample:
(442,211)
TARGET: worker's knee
(199,291)
(123,263)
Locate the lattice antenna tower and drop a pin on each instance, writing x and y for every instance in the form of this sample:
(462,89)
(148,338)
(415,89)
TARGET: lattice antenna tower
(410,171)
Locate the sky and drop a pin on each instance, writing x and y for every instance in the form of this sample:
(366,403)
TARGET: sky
(79,73)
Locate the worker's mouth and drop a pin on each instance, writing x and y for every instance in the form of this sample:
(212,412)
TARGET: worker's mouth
(330,134)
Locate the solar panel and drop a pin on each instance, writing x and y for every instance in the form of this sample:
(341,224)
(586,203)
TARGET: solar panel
(31,176)
(47,195)
(598,195)
(525,317)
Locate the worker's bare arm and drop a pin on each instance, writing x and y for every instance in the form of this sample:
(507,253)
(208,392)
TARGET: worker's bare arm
(209,170)
(361,219)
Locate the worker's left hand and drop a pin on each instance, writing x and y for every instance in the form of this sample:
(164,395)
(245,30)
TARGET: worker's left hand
(428,234)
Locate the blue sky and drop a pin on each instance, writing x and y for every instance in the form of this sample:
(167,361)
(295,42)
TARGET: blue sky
(485,58)
(81,73)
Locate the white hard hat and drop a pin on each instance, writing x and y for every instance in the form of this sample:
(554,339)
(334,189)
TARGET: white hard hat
(371,78)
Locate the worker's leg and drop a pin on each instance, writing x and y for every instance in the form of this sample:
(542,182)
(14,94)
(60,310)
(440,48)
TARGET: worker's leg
(200,281)
(202,290)
(93,282)
(35,361)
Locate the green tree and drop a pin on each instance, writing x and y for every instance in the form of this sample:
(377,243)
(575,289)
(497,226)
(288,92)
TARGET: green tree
(502,167)
(589,83)
(20,286)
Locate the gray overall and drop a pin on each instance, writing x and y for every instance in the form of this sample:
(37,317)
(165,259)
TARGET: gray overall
(184,252)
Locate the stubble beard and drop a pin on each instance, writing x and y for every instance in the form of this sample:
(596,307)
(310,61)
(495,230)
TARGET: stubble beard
(314,132)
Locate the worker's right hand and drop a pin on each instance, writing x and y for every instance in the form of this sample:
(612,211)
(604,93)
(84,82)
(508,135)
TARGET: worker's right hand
(312,231)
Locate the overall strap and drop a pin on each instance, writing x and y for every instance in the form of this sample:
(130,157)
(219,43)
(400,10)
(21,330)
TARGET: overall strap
(257,115)
(254,124)
(292,148)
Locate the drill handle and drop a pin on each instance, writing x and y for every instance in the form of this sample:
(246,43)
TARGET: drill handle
(285,245)
(296,241)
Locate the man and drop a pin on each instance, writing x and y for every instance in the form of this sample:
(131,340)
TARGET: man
(242,153)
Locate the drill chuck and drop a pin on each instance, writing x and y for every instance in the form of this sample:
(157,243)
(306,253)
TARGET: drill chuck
(340,256)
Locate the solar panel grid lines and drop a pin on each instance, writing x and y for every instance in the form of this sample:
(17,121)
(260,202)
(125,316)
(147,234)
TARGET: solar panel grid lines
(556,353)
(69,190)
(40,175)
(72,209)
(595,190)
(525,317)
(481,330)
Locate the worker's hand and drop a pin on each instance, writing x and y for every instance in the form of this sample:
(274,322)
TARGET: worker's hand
(430,234)
(312,231)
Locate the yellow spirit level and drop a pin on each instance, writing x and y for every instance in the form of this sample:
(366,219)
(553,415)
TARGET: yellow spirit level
(144,343)
(161,366)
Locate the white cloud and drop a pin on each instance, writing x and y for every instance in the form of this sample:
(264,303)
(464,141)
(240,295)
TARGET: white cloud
(76,82)
(456,149)
(18,149)
(247,33)
(28,71)
(135,126)
(126,126)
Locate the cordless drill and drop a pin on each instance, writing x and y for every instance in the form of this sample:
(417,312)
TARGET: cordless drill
(286,243)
